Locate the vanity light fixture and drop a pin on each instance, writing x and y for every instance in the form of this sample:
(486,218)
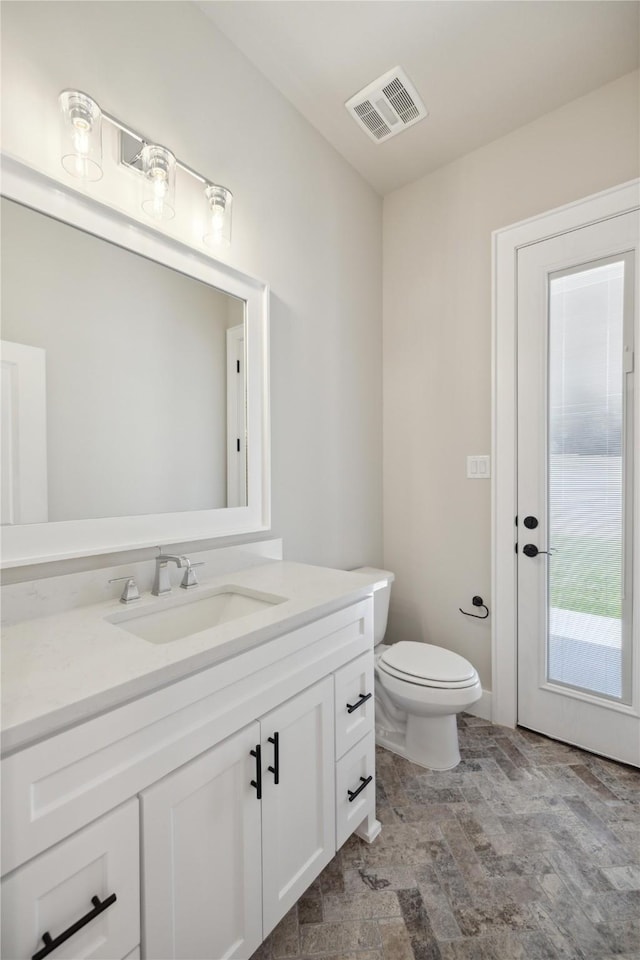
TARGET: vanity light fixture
(81,133)
(219,200)
(159,185)
(82,157)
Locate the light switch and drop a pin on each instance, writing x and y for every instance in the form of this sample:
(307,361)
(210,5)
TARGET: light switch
(479,467)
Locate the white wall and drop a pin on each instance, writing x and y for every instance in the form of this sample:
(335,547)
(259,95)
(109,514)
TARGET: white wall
(437,348)
(303,220)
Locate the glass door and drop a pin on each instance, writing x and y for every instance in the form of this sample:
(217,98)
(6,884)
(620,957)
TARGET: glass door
(576,488)
(590,478)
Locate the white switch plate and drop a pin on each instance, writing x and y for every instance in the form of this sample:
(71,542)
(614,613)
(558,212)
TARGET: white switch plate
(479,467)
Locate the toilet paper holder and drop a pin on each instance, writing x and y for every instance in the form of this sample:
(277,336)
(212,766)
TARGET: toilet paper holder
(477,602)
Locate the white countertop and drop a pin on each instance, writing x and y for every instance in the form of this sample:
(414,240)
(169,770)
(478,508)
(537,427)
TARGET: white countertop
(59,670)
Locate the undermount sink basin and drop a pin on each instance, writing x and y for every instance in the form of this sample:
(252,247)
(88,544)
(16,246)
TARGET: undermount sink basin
(175,618)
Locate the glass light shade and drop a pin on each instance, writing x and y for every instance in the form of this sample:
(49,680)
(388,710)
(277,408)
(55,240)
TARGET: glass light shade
(219,201)
(159,183)
(81,135)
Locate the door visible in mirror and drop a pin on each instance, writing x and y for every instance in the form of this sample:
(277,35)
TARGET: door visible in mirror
(145,398)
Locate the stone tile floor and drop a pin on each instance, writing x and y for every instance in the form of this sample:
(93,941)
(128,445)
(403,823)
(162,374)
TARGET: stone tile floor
(528,849)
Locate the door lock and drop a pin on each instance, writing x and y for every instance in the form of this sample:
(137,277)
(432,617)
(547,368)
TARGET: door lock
(530,522)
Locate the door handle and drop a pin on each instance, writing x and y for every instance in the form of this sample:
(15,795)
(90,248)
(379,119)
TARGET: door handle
(530,550)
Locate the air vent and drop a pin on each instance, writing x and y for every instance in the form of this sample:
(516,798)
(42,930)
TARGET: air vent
(387,106)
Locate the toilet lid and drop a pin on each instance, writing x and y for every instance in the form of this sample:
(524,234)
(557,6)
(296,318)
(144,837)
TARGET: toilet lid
(427,664)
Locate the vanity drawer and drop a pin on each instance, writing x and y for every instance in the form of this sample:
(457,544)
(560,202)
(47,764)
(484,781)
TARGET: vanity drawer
(354,687)
(54,891)
(355,787)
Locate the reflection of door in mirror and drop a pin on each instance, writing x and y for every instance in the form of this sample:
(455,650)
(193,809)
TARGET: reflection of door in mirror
(136,386)
(236,419)
(24,434)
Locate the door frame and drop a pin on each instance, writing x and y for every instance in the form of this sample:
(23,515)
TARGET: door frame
(505,245)
(236,423)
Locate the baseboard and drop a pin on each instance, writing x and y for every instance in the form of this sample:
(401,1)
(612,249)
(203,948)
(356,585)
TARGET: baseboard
(482,707)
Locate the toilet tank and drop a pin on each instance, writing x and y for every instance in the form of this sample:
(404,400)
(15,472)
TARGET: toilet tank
(381,598)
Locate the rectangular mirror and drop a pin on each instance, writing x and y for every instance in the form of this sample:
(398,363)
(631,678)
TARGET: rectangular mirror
(134,382)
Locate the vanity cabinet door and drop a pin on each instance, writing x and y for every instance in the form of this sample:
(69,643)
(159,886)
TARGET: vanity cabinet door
(201,856)
(298,812)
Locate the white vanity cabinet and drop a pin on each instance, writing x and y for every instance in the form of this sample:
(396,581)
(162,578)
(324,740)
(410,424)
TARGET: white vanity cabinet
(232,840)
(230,774)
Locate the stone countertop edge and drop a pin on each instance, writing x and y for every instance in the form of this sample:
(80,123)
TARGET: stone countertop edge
(61,670)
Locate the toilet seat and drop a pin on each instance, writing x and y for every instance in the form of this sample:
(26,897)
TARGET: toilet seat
(426,665)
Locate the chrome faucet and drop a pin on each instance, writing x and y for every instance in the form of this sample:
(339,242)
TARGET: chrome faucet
(161,582)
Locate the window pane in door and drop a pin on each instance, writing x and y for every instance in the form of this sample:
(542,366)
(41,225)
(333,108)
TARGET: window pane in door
(586,479)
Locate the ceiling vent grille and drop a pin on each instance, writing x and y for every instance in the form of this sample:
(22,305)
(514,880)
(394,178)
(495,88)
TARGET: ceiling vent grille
(387,106)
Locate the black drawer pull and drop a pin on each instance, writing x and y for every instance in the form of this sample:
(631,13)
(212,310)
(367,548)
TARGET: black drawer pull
(363,699)
(275,769)
(352,794)
(50,944)
(257,783)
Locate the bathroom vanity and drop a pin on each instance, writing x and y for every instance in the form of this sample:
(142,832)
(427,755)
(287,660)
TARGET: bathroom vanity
(175,798)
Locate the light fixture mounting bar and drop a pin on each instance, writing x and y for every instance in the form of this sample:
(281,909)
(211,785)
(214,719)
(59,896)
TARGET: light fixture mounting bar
(131,149)
(131,144)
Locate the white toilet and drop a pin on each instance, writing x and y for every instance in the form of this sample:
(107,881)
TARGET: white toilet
(419,690)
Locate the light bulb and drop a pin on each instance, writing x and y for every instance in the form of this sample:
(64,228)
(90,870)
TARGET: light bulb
(80,141)
(160,190)
(217,219)
(81,145)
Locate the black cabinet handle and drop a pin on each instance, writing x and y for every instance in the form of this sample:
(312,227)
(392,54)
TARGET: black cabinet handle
(363,699)
(275,769)
(50,944)
(257,783)
(352,794)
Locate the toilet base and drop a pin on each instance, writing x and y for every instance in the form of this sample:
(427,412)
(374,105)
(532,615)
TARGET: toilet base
(430,742)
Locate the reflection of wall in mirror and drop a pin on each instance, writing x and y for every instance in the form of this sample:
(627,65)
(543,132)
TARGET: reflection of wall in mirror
(136,370)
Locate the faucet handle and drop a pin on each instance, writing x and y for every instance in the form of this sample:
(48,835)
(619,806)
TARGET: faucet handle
(130,591)
(189,579)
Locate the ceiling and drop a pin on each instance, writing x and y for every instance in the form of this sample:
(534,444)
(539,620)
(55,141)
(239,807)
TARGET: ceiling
(482,67)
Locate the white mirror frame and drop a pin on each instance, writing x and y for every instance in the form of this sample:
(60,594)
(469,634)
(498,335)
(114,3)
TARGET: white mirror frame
(42,542)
